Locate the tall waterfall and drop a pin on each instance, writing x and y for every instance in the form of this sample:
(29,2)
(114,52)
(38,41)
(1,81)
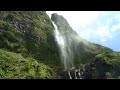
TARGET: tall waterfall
(64,44)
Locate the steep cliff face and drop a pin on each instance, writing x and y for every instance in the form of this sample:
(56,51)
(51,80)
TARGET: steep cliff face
(29,33)
(83,50)
(92,61)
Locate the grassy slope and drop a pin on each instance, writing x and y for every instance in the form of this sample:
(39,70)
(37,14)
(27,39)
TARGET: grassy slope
(15,66)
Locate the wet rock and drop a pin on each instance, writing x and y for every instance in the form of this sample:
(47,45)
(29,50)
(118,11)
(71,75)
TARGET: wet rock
(63,74)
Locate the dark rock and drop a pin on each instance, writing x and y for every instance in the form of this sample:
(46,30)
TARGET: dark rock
(63,74)
(39,57)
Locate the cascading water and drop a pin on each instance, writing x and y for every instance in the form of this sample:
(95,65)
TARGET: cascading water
(79,74)
(68,42)
(69,74)
(66,53)
(75,74)
(65,48)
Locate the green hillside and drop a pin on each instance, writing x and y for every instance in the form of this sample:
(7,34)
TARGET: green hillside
(28,49)
(15,66)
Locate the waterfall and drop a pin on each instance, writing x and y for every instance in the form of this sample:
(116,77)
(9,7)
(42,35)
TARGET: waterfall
(64,44)
(69,74)
(75,74)
(79,73)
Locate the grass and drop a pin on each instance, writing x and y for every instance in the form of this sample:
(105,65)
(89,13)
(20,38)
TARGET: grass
(15,66)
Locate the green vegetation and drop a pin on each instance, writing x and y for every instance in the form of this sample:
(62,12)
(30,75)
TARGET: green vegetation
(29,33)
(109,63)
(28,49)
(15,66)
(110,58)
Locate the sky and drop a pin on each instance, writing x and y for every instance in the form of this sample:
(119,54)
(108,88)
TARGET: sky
(102,27)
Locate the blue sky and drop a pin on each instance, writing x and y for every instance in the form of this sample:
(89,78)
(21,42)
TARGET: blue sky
(102,27)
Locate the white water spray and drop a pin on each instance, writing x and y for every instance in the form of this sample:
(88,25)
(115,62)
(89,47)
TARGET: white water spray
(69,74)
(75,74)
(64,45)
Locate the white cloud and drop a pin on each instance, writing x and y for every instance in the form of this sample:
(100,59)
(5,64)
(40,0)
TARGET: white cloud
(84,22)
(103,31)
(103,40)
(78,19)
(115,28)
(117,17)
(86,33)
(96,26)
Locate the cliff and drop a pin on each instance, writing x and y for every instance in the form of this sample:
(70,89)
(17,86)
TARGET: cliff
(30,34)
(83,50)
(28,49)
(93,60)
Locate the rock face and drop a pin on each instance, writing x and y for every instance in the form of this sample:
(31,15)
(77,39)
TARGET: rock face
(82,50)
(62,24)
(29,33)
(86,72)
